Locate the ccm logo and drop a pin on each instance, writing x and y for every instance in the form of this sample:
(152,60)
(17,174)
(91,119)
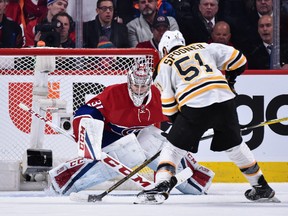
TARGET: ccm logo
(125,171)
(82,138)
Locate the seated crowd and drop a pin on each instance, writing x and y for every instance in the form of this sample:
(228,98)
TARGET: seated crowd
(246,25)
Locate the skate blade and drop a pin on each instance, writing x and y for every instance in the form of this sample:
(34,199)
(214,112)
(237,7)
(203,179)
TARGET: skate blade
(268,200)
(149,199)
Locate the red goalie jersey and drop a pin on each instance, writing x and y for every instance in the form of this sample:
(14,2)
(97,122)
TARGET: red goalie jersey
(121,117)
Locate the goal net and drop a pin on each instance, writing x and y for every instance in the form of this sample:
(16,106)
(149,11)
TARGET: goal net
(54,82)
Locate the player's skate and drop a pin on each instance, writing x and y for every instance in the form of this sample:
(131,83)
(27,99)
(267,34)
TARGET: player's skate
(158,194)
(262,192)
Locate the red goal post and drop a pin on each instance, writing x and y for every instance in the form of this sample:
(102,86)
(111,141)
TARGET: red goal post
(54,82)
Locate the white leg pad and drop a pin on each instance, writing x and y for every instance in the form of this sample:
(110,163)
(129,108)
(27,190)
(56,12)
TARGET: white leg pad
(151,141)
(200,181)
(79,174)
(127,150)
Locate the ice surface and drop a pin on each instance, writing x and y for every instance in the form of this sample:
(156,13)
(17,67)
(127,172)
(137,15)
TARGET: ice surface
(222,200)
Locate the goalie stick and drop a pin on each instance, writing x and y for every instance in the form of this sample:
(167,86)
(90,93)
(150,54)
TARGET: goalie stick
(95,198)
(81,197)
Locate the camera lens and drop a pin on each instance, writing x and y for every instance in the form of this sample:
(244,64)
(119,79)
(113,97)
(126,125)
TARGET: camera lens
(66,125)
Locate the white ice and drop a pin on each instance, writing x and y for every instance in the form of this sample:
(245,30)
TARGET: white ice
(223,199)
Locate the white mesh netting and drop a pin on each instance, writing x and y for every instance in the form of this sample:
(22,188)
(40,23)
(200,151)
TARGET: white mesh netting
(78,74)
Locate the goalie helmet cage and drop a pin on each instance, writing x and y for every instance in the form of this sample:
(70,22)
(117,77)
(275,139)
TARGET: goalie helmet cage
(55,82)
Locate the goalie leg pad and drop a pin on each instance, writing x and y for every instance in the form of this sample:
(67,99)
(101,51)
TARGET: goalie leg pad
(79,174)
(200,181)
(127,150)
(151,141)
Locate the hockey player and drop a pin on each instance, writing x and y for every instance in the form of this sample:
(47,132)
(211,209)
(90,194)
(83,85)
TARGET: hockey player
(129,111)
(197,96)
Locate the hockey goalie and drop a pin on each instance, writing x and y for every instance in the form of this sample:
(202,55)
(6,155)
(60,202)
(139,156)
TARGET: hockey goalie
(121,122)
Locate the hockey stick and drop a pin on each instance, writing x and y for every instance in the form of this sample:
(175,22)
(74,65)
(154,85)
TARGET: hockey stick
(265,123)
(81,197)
(56,128)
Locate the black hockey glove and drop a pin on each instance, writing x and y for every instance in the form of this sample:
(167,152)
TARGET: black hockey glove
(231,85)
(231,77)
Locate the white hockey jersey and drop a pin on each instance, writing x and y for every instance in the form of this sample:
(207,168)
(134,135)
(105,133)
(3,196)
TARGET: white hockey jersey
(191,75)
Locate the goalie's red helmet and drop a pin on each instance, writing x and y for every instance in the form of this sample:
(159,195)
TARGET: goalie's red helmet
(139,83)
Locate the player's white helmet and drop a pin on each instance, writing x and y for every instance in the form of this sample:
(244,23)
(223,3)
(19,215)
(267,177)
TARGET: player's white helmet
(139,83)
(169,40)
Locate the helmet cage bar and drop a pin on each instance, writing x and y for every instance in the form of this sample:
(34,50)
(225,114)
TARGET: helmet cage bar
(139,83)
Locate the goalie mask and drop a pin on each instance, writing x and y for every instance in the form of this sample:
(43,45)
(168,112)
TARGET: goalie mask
(139,83)
(169,40)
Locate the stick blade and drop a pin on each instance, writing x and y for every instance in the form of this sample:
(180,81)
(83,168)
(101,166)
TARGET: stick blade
(81,197)
(78,197)
(94,198)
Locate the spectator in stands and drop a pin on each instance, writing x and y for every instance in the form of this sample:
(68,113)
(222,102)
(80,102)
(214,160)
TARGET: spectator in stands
(139,29)
(105,25)
(10,31)
(160,26)
(165,8)
(34,9)
(221,33)
(202,23)
(260,55)
(67,26)
(250,33)
(54,7)
(123,10)
(13,10)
